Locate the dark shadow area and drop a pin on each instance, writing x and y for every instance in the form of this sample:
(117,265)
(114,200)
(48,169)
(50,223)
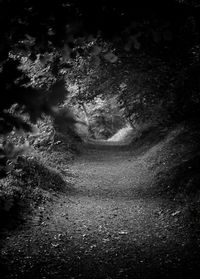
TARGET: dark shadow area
(184,178)
(11,219)
(127,260)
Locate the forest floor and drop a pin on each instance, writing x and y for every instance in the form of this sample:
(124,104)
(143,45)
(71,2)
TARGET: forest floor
(113,223)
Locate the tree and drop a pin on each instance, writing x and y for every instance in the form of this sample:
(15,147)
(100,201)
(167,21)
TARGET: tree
(58,32)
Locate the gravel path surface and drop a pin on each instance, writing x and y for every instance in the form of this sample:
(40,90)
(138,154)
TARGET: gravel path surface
(110,225)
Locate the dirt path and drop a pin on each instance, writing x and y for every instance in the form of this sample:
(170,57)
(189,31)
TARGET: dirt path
(111,225)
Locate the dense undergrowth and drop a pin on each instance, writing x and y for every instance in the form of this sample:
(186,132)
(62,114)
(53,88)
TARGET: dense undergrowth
(37,176)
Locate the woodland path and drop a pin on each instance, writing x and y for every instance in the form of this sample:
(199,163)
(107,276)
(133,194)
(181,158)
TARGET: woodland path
(110,225)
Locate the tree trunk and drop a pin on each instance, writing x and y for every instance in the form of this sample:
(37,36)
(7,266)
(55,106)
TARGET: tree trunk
(86,114)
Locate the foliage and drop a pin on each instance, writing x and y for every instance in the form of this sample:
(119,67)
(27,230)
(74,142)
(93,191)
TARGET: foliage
(105,117)
(34,178)
(46,45)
